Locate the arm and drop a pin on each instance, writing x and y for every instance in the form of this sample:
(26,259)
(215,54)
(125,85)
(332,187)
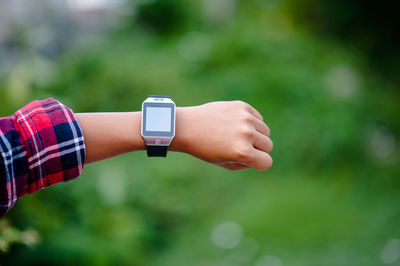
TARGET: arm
(229,134)
(42,143)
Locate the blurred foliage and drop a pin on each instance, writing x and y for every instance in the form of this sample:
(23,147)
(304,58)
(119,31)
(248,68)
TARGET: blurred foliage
(331,197)
(369,26)
(163,17)
(10,235)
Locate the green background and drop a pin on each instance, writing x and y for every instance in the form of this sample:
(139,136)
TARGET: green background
(326,83)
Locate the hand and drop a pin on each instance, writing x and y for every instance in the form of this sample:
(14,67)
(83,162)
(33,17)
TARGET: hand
(229,134)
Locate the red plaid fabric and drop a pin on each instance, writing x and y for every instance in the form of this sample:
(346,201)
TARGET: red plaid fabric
(40,145)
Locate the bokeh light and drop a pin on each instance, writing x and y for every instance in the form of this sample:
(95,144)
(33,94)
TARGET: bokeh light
(391,251)
(227,235)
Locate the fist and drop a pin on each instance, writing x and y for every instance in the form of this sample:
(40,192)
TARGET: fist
(230,134)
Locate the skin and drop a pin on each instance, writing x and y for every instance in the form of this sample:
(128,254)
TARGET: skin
(230,134)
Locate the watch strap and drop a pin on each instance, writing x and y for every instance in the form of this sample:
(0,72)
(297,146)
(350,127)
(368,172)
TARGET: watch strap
(157,151)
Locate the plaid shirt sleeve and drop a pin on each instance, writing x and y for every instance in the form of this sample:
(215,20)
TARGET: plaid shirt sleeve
(40,145)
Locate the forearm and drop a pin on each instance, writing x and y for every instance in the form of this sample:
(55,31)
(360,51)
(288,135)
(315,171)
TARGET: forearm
(110,134)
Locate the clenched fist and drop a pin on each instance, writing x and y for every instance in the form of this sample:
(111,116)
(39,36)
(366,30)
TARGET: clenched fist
(230,134)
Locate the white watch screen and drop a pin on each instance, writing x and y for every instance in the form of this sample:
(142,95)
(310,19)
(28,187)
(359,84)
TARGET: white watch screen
(158,119)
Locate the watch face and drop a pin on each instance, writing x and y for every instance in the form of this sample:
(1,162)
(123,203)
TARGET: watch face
(158,119)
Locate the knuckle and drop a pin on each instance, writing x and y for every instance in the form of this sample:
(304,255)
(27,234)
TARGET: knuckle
(247,118)
(247,131)
(243,153)
(241,104)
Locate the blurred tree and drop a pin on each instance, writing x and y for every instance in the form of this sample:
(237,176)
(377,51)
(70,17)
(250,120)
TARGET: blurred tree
(371,26)
(162,16)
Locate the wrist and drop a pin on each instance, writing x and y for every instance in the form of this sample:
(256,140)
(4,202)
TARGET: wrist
(181,140)
(137,142)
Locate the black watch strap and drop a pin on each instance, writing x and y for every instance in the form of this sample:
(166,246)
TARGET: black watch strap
(157,151)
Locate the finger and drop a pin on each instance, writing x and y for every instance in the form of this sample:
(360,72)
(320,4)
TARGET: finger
(235,166)
(262,142)
(260,160)
(261,127)
(254,112)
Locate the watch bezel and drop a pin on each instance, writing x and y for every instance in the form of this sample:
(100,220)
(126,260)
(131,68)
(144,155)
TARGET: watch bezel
(161,134)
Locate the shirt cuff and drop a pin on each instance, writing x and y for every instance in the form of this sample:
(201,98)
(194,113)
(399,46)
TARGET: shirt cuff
(54,143)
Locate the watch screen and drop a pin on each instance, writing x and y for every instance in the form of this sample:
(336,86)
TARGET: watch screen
(158,119)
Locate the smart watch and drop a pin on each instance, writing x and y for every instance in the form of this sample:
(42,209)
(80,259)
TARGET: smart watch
(158,124)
